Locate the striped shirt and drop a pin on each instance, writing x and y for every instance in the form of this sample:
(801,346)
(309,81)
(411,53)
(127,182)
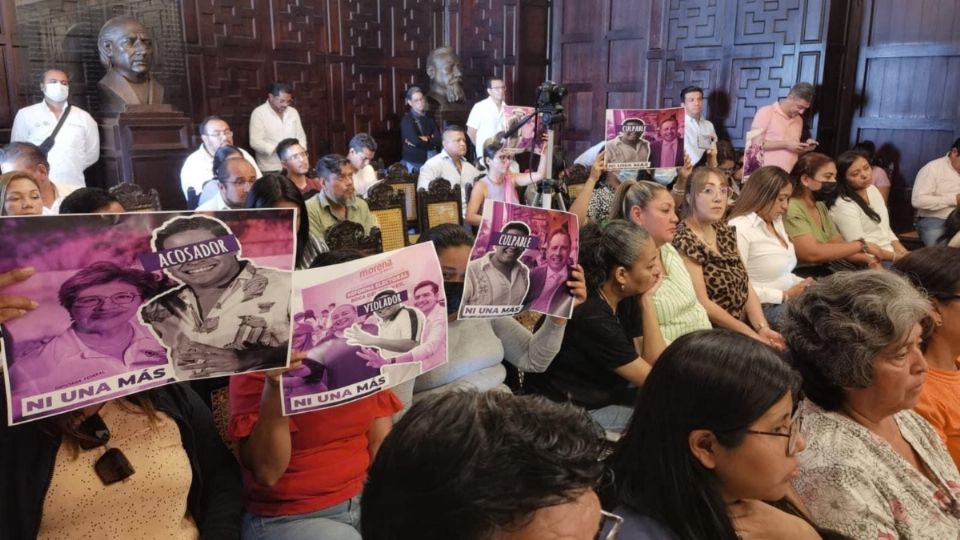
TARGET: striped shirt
(678,310)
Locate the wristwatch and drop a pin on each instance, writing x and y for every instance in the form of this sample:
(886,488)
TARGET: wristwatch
(863,245)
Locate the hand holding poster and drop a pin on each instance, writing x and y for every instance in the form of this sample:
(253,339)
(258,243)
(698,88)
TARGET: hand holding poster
(644,139)
(520,260)
(133,301)
(530,136)
(386,323)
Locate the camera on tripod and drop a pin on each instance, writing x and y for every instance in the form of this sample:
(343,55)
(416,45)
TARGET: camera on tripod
(549,96)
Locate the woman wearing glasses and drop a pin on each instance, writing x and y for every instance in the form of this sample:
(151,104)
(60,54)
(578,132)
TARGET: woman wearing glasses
(103,338)
(709,250)
(934,270)
(499,184)
(713,444)
(873,467)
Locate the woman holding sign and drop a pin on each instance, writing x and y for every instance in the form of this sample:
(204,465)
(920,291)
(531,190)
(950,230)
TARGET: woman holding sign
(499,184)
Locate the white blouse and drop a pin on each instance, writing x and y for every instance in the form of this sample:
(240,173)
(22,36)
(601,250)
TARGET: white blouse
(769,264)
(854,224)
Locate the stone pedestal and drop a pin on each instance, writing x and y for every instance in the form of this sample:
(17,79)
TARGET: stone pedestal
(146,148)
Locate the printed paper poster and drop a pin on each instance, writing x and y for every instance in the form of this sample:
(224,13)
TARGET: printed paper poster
(753,152)
(530,136)
(644,139)
(520,260)
(133,301)
(366,325)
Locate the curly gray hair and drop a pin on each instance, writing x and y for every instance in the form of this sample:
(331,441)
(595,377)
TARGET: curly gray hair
(839,325)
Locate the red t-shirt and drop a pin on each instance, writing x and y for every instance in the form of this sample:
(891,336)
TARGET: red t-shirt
(329,455)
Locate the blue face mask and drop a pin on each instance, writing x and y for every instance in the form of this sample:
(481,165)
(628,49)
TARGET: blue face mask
(454,293)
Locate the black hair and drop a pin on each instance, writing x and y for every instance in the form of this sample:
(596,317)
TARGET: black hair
(221,156)
(361,141)
(411,91)
(339,256)
(845,190)
(453,127)
(446,235)
(280,86)
(330,164)
(202,126)
(714,380)
(285,145)
(427,283)
(932,269)
(489,81)
(467,465)
(688,89)
(490,148)
(274,188)
(384,293)
(516,226)
(86,200)
(32,154)
(603,249)
(951,226)
(189,223)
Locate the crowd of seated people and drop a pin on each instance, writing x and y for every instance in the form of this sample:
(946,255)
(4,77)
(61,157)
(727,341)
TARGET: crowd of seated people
(758,358)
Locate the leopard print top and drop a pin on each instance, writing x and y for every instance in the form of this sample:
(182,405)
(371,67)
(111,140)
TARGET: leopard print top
(723,273)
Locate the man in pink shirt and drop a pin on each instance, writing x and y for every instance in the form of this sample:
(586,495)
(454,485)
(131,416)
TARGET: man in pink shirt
(783,125)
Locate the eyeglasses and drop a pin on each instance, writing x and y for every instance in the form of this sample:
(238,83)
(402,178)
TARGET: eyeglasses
(712,192)
(120,299)
(112,466)
(796,424)
(245,183)
(610,525)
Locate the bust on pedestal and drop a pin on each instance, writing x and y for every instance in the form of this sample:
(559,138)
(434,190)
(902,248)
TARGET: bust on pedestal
(445,101)
(143,139)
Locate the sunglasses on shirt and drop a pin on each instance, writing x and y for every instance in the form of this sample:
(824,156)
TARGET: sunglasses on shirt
(112,466)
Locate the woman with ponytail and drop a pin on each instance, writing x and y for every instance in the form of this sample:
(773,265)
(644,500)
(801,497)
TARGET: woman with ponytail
(614,336)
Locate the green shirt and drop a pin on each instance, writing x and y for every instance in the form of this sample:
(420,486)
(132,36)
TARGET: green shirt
(799,222)
(679,311)
(322,218)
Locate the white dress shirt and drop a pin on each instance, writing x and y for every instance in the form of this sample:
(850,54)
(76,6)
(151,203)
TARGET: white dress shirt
(77,144)
(769,264)
(854,224)
(695,134)
(60,192)
(213,204)
(935,189)
(363,179)
(267,129)
(198,168)
(487,119)
(442,166)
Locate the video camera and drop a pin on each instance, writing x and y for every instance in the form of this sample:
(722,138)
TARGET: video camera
(549,96)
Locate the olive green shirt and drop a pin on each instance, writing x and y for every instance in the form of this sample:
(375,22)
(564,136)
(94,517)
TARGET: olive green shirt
(799,222)
(322,218)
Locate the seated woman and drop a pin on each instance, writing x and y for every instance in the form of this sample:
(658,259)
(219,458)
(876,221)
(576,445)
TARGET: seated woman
(712,444)
(499,184)
(858,208)
(764,246)
(819,246)
(614,336)
(20,195)
(169,474)
(934,270)
(873,467)
(651,206)
(596,197)
(709,250)
(278,191)
(477,348)
(878,175)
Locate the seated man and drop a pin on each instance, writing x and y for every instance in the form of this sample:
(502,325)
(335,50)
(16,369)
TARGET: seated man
(198,167)
(337,201)
(228,315)
(296,165)
(445,472)
(936,193)
(91,200)
(362,150)
(235,179)
(450,164)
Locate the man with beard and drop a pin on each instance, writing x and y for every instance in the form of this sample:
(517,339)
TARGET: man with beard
(273,121)
(229,315)
(498,278)
(198,168)
(296,165)
(445,72)
(126,51)
(337,201)
(236,176)
(629,146)
(548,283)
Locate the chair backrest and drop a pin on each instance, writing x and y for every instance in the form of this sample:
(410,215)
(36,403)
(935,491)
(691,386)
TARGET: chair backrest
(379,167)
(349,234)
(388,205)
(193,198)
(439,204)
(134,199)
(208,191)
(406,184)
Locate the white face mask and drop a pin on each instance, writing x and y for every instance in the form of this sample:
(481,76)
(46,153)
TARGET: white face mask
(56,92)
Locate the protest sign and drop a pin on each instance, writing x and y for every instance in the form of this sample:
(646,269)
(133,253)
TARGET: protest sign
(530,136)
(644,139)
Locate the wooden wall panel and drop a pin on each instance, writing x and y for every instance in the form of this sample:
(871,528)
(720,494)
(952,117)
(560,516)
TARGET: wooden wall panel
(744,53)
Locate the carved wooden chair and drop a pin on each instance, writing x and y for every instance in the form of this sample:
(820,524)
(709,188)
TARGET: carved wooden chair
(349,234)
(379,167)
(389,207)
(134,199)
(439,204)
(406,184)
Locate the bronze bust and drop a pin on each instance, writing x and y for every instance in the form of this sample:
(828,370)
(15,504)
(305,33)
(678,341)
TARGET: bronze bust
(126,51)
(446,83)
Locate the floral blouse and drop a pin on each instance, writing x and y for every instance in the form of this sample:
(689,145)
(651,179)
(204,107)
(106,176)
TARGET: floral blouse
(598,211)
(724,274)
(855,483)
